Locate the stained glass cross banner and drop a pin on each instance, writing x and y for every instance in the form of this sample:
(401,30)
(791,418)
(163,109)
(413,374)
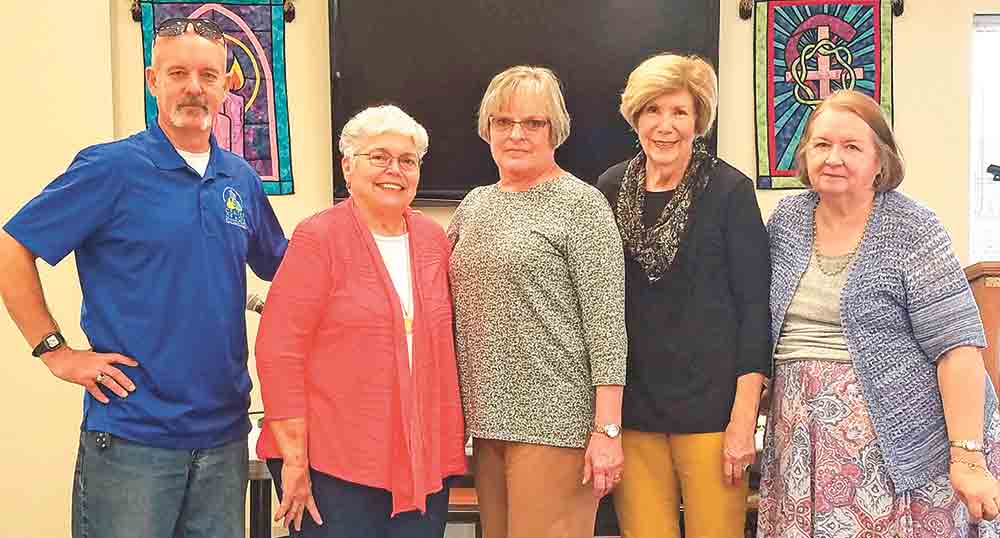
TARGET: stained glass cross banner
(804,50)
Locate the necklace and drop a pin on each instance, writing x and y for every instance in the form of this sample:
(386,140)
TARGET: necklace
(407,314)
(847,258)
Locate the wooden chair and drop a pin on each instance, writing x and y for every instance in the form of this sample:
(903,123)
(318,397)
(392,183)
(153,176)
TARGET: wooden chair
(463,504)
(463,507)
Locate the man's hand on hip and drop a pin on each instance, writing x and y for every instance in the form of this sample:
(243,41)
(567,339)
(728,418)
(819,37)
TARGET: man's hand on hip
(90,369)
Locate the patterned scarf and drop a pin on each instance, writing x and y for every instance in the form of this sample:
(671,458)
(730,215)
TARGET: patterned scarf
(656,248)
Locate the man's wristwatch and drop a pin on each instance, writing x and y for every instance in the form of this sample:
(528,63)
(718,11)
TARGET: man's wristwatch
(50,342)
(611,430)
(967,445)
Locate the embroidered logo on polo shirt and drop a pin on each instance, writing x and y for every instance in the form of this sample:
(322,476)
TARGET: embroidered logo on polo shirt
(234,208)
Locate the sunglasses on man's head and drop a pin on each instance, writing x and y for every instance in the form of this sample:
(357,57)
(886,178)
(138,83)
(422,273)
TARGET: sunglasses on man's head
(203,27)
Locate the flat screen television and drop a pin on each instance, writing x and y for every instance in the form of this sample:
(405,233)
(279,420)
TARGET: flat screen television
(435,58)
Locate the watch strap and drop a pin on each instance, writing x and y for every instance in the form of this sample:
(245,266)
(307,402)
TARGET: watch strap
(611,430)
(50,342)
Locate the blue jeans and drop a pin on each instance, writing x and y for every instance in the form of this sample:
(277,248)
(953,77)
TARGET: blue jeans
(123,489)
(351,510)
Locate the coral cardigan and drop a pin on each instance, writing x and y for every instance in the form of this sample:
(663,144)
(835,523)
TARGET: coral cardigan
(332,348)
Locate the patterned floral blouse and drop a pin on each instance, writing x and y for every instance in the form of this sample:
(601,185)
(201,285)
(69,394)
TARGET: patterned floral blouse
(539,290)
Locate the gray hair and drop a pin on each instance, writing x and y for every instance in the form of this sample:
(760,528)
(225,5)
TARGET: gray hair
(378,120)
(154,54)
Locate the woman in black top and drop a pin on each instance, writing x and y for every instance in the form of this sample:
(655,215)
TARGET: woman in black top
(697,280)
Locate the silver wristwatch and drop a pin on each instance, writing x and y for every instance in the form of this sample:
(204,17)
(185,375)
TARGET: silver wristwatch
(611,430)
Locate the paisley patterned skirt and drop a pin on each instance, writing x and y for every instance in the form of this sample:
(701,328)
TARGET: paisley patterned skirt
(823,475)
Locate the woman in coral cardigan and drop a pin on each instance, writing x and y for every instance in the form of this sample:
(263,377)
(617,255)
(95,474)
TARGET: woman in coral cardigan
(355,352)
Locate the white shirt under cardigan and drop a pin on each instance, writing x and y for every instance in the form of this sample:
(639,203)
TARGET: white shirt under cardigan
(395,252)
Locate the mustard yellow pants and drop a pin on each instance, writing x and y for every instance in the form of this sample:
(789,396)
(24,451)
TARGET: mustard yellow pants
(661,470)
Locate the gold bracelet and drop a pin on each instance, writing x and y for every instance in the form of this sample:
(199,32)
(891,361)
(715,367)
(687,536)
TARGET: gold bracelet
(973,466)
(967,445)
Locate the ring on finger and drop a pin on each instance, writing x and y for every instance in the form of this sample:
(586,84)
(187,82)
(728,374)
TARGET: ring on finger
(100,377)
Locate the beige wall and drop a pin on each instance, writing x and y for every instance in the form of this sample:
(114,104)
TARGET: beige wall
(57,101)
(53,106)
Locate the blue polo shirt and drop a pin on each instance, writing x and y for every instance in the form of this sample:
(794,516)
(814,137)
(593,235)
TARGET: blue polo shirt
(162,253)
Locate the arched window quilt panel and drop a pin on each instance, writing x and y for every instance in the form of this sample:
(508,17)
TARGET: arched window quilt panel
(253,121)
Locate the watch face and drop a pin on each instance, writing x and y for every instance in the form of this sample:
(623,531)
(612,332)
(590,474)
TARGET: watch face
(612,430)
(51,341)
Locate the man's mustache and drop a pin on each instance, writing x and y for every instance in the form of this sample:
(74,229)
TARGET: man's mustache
(193,102)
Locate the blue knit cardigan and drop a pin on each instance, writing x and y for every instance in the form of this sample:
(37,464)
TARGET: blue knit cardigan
(906,303)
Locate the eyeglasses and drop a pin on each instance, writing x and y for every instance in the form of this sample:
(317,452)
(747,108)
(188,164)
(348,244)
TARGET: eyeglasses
(531,125)
(203,27)
(408,162)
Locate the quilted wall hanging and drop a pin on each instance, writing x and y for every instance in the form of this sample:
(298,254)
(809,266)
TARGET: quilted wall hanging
(253,120)
(803,51)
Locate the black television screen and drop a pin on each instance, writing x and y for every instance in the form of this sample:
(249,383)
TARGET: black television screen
(435,58)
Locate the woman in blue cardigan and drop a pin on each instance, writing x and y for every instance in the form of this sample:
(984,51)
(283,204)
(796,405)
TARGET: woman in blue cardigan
(882,421)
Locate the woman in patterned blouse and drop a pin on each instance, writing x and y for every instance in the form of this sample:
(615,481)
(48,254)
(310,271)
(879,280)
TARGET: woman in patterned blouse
(883,421)
(696,272)
(538,282)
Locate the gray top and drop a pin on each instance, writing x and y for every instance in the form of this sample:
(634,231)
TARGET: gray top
(538,280)
(812,329)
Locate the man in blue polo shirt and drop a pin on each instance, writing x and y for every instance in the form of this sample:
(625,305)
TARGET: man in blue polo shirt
(163,225)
